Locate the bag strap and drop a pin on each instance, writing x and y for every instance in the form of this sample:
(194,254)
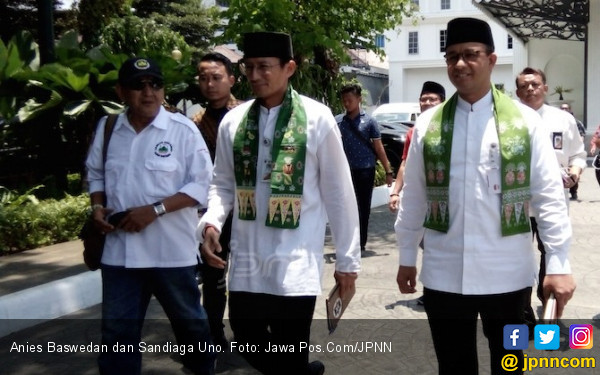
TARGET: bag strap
(111,120)
(108,130)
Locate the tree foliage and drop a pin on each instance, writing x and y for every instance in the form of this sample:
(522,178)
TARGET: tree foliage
(321,30)
(135,36)
(17,15)
(94,16)
(318,26)
(190,18)
(51,110)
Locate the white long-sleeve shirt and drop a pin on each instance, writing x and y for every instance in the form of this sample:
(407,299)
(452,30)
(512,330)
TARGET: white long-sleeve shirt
(568,146)
(166,157)
(566,141)
(287,262)
(473,257)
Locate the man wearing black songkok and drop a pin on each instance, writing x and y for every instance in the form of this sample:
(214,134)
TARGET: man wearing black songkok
(475,166)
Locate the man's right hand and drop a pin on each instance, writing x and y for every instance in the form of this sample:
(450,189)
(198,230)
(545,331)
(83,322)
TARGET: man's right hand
(407,279)
(99,215)
(210,246)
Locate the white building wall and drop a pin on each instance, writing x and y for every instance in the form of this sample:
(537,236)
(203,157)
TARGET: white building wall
(563,62)
(409,71)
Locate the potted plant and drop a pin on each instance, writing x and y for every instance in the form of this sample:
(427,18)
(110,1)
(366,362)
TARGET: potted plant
(560,91)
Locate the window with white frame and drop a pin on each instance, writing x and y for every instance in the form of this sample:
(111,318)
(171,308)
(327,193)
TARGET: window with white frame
(509,42)
(413,42)
(443,36)
(445,4)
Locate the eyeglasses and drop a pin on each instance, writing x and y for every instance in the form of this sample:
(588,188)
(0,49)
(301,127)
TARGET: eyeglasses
(467,56)
(262,68)
(154,84)
(429,99)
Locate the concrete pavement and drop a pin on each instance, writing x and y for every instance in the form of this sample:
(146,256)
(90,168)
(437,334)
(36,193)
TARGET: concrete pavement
(377,316)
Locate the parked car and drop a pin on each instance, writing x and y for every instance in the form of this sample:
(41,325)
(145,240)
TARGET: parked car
(394,120)
(396,112)
(393,137)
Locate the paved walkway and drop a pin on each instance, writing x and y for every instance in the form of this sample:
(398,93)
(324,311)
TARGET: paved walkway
(390,328)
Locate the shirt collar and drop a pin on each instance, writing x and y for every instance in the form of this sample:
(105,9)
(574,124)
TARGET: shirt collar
(542,109)
(480,105)
(361,113)
(160,121)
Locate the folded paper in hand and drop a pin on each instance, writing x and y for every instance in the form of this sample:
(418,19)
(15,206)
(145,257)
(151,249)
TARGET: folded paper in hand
(336,306)
(550,313)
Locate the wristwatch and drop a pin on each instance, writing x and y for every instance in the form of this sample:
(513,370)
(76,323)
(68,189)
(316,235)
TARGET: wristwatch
(390,173)
(159,208)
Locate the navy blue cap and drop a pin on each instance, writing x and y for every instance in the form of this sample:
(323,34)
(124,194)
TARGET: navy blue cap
(138,67)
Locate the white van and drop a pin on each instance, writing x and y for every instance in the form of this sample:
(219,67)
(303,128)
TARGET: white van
(397,112)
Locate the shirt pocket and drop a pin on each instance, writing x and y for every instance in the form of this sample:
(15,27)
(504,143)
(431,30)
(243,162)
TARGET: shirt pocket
(162,176)
(114,172)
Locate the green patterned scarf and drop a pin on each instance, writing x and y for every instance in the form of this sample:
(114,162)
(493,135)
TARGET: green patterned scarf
(515,149)
(289,158)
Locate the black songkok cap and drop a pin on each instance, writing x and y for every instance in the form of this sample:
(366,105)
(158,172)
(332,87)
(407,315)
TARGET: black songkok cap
(434,88)
(268,44)
(137,67)
(465,30)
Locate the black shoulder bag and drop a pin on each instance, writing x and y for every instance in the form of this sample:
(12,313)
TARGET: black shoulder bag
(93,239)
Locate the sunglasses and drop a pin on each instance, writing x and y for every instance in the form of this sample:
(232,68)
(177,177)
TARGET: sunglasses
(155,84)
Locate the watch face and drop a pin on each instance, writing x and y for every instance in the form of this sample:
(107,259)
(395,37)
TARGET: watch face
(159,208)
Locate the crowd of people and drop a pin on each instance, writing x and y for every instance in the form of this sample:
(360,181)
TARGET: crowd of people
(245,191)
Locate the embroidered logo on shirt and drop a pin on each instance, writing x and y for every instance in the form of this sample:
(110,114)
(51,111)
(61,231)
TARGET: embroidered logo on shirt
(163,149)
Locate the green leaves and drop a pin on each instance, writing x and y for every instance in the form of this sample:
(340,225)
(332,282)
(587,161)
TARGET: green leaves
(33,108)
(71,82)
(58,75)
(321,31)
(21,53)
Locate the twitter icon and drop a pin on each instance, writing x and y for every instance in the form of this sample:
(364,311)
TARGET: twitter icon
(546,336)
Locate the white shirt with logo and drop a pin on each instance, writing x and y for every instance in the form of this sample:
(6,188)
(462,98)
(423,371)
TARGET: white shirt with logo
(166,157)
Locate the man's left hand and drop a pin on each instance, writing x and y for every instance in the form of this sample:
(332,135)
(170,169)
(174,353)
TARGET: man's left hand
(562,286)
(389,179)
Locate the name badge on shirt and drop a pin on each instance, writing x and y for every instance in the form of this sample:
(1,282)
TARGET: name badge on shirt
(557,140)
(493,170)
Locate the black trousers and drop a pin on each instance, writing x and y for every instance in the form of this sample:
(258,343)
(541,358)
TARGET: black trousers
(260,321)
(362,180)
(453,323)
(214,287)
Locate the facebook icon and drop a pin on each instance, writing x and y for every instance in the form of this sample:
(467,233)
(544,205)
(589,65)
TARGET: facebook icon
(516,336)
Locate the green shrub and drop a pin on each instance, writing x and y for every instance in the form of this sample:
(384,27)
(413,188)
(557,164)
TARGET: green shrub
(26,223)
(379,175)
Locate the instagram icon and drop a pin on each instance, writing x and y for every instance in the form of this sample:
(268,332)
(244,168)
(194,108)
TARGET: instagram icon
(581,336)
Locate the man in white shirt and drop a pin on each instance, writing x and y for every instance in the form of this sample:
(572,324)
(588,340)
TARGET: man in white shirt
(475,165)
(562,130)
(281,167)
(156,173)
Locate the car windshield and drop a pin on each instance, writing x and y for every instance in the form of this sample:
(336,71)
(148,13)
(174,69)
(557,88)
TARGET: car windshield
(392,117)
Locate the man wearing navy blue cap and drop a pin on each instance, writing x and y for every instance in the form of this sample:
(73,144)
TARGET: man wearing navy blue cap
(156,173)
(475,166)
